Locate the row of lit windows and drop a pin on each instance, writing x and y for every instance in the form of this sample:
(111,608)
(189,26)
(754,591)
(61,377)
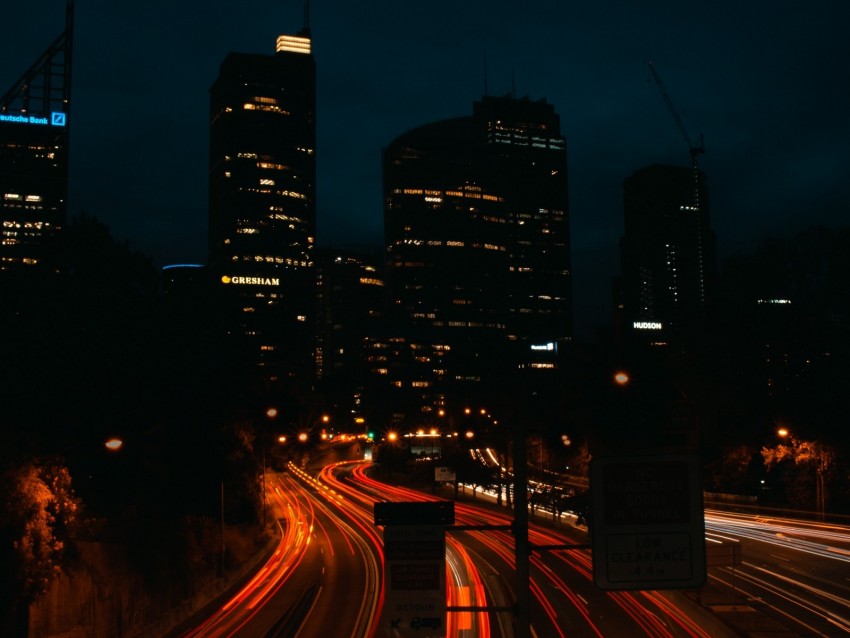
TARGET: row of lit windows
(29,261)
(271,108)
(371,281)
(463,324)
(268,191)
(15,197)
(437,196)
(278,214)
(270,259)
(37,225)
(448,243)
(263,161)
(272,166)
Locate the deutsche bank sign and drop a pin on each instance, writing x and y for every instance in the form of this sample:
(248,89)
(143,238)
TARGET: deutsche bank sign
(57,118)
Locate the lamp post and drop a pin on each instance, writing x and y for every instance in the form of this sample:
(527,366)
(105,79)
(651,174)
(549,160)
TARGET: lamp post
(271,414)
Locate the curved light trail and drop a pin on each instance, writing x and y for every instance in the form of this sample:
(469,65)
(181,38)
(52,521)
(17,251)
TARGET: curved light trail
(229,619)
(791,567)
(647,612)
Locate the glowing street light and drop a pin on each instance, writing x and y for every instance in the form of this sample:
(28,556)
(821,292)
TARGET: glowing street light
(114,444)
(621,378)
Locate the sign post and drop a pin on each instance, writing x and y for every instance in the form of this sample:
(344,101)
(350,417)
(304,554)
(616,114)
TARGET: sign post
(647,522)
(415,567)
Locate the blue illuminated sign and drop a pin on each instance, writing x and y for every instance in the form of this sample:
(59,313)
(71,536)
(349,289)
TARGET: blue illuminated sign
(57,118)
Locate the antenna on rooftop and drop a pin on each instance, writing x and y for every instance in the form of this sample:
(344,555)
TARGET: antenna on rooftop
(306,28)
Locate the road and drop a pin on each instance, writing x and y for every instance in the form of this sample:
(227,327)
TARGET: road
(795,572)
(564,600)
(322,580)
(325,579)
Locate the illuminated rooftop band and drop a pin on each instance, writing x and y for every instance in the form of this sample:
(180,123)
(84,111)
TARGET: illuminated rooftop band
(293,44)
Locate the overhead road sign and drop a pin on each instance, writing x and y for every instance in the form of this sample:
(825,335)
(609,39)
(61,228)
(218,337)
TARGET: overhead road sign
(647,522)
(414,513)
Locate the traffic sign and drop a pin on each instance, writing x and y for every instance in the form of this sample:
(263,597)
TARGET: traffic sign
(723,554)
(415,577)
(647,522)
(444,475)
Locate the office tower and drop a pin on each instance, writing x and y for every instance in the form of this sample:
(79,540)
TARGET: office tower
(668,263)
(477,240)
(262,208)
(34,127)
(350,289)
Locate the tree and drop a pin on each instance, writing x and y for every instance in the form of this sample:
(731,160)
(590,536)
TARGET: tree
(37,518)
(813,457)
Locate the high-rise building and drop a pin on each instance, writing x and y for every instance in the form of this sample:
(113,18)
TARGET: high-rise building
(34,131)
(350,289)
(262,208)
(668,262)
(477,239)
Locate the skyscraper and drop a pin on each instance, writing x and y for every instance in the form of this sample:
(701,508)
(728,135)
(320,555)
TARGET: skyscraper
(350,290)
(262,208)
(668,263)
(477,239)
(34,127)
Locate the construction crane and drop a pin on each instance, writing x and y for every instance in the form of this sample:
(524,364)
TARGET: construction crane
(695,149)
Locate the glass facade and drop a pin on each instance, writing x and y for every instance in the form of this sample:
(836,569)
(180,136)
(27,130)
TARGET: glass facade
(262,218)
(34,137)
(668,261)
(477,239)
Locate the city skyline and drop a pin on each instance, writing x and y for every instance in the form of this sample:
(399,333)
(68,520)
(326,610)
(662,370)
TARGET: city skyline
(766,90)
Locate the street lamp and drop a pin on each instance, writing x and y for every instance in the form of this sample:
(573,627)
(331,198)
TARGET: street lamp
(271,414)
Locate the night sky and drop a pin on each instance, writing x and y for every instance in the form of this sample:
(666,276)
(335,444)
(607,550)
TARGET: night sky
(767,82)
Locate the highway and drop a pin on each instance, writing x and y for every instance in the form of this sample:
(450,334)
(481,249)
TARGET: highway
(565,602)
(326,576)
(323,579)
(794,571)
